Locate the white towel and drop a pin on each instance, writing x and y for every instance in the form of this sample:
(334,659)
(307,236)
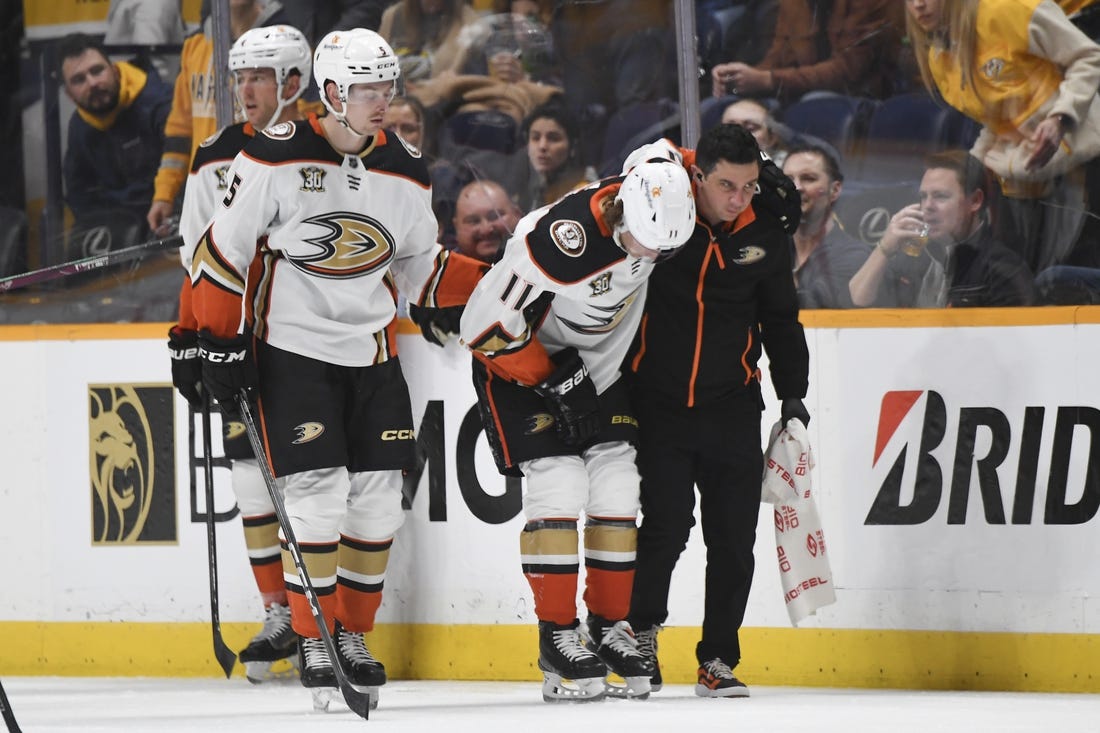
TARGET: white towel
(799,539)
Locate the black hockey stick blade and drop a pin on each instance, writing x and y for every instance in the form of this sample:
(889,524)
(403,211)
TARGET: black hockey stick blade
(95,262)
(225,656)
(357,700)
(6,712)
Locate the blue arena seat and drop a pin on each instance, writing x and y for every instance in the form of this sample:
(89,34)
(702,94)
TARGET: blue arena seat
(838,119)
(633,126)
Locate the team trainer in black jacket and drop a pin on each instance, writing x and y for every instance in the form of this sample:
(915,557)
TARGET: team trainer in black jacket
(696,391)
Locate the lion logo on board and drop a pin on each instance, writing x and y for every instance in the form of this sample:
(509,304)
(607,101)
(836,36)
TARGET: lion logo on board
(569,236)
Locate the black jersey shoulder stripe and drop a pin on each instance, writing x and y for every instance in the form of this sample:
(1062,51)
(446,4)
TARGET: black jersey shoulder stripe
(567,244)
(299,142)
(390,155)
(222,145)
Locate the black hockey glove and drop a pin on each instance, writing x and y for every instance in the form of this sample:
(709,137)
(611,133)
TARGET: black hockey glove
(571,396)
(227,366)
(437,324)
(778,195)
(183,347)
(793,408)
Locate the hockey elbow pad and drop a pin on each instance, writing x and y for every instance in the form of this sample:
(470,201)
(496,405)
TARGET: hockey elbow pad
(571,397)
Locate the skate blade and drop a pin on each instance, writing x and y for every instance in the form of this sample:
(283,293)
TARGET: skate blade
(281,669)
(323,698)
(331,700)
(555,688)
(627,688)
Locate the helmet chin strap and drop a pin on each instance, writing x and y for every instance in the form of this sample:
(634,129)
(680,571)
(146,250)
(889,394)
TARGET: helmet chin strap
(342,118)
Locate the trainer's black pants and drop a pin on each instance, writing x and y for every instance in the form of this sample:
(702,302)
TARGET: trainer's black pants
(717,449)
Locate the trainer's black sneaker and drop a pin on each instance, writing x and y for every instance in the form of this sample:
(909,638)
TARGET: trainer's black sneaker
(716,680)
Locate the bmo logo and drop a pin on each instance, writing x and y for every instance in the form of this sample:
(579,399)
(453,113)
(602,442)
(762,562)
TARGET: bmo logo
(928,453)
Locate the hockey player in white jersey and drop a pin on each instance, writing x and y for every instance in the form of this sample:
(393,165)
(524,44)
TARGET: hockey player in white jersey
(342,213)
(271,66)
(549,326)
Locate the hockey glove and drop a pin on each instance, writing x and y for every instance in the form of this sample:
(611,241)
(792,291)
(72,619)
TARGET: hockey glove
(571,396)
(778,195)
(227,366)
(793,408)
(183,347)
(437,324)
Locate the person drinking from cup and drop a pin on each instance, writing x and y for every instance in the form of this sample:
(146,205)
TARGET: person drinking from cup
(941,252)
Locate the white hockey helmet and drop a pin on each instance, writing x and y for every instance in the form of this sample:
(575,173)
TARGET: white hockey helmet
(663,149)
(658,205)
(279,47)
(357,56)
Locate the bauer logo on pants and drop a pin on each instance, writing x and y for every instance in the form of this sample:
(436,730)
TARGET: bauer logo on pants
(131,450)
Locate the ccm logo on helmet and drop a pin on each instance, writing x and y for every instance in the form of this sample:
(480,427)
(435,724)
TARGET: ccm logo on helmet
(404,434)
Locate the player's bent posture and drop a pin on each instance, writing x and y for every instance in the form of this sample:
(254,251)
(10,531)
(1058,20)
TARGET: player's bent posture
(343,213)
(549,326)
(271,66)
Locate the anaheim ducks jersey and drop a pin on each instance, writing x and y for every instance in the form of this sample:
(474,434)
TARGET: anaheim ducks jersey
(332,236)
(206,185)
(562,281)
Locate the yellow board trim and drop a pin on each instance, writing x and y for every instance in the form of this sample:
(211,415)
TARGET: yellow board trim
(869,318)
(925,660)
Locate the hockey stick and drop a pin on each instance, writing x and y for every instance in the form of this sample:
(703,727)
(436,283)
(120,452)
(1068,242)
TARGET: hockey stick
(225,656)
(6,712)
(95,262)
(358,701)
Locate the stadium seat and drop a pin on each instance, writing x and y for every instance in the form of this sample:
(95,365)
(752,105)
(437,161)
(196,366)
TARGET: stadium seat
(838,119)
(907,127)
(635,125)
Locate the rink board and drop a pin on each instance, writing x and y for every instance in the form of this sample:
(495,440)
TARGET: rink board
(955,479)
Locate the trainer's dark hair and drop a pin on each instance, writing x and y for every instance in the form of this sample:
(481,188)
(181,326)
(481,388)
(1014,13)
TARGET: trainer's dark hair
(829,157)
(731,143)
(73,45)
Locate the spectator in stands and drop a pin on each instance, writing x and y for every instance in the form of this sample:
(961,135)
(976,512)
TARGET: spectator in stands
(851,49)
(430,36)
(484,219)
(755,117)
(1085,14)
(115,134)
(512,47)
(942,252)
(615,55)
(193,117)
(549,167)
(406,116)
(825,257)
(317,18)
(1029,76)
(147,23)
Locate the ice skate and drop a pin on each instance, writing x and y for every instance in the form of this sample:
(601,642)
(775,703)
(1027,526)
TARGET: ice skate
(316,672)
(629,669)
(716,680)
(362,669)
(571,673)
(273,653)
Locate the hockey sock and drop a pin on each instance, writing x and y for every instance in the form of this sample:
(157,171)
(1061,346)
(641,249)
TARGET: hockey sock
(261,539)
(609,552)
(548,553)
(320,560)
(360,571)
